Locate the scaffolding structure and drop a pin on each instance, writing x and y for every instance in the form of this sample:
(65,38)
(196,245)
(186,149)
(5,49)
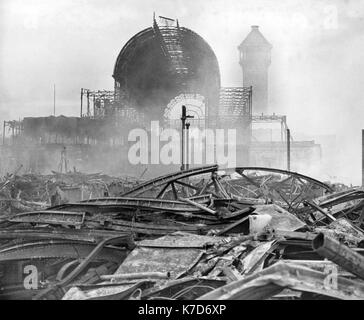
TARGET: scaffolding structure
(95,103)
(170,40)
(236,103)
(235,106)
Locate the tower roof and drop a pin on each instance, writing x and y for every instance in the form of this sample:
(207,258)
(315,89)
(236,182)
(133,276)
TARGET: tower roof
(255,38)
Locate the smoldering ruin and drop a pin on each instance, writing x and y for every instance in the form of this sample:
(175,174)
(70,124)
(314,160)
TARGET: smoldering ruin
(80,222)
(157,71)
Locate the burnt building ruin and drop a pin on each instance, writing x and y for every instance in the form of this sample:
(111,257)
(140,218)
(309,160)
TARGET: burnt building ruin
(162,62)
(157,71)
(161,68)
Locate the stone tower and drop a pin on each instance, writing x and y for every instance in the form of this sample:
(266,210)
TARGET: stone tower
(255,60)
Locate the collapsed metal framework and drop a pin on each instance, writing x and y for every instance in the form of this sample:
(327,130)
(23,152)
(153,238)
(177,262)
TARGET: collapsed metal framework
(205,231)
(288,189)
(348,204)
(282,275)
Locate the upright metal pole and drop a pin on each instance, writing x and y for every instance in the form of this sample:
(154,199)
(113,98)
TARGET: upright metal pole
(362,157)
(288,150)
(250,125)
(81,102)
(54,100)
(183,119)
(187,146)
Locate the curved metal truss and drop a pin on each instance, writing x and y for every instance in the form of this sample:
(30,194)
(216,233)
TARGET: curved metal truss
(158,187)
(286,188)
(252,184)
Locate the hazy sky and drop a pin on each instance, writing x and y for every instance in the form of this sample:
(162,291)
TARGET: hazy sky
(316,75)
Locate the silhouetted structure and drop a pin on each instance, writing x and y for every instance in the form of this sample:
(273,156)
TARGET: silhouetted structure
(255,60)
(160,63)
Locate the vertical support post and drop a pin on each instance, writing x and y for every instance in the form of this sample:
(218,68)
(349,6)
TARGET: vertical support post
(362,157)
(184,125)
(288,150)
(250,126)
(285,127)
(81,102)
(183,119)
(187,146)
(54,99)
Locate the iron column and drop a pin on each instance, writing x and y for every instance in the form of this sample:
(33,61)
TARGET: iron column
(81,102)
(54,100)
(187,146)
(183,119)
(288,150)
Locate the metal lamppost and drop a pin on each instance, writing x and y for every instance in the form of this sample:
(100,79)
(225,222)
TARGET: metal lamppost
(185,126)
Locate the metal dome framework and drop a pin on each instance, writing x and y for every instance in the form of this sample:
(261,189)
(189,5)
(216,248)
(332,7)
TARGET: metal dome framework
(161,62)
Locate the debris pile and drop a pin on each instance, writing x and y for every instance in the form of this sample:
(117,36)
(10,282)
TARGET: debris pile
(22,193)
(202,233)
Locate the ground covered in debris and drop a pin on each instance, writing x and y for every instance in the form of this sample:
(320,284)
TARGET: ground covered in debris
(203,233)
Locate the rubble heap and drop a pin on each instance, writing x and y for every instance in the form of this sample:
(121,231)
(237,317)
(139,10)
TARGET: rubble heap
(22,193)
(203,233)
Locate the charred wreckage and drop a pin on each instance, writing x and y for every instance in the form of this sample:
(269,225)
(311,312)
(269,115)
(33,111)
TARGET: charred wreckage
(202,233)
